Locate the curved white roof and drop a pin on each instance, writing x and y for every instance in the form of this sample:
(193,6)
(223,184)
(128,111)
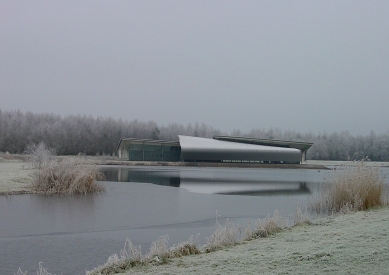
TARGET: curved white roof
(196,148)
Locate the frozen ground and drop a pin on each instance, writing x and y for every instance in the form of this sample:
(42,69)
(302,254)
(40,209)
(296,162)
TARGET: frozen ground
(350,244)
(340,163)
(14,175)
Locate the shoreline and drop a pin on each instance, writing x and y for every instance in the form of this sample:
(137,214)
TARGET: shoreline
(216,164)
(346,244)
(353,243)
(15,171)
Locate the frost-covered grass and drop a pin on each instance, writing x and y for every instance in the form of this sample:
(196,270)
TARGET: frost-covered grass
(354,244)
(15,177)
(41,271)
(160,252)
(223,236)
(296,247)
(356,187)
(263,229)
(70,176)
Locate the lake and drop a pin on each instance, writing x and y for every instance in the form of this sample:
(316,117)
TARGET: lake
(77,233)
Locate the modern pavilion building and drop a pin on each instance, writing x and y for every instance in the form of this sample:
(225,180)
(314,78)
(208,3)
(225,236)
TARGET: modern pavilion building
(218,149)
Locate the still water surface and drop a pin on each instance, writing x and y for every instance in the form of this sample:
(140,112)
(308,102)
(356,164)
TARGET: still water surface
(77,233)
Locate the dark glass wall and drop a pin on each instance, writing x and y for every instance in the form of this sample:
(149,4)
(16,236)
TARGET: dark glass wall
(154,152)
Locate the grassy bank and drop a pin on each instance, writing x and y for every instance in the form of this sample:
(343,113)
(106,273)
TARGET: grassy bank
(15,175)
(69,174)
(355,243)
(357,186)
(348,244)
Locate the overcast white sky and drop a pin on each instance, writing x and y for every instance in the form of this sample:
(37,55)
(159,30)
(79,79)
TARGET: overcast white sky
(298,65)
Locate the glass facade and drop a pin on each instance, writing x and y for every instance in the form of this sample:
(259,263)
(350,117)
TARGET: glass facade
(154,152)
(171,153)
(218,149)
(135,152)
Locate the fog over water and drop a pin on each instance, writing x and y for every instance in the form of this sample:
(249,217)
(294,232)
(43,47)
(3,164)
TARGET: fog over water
(299,65)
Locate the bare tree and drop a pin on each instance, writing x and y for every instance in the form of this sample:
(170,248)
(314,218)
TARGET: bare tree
(39,154)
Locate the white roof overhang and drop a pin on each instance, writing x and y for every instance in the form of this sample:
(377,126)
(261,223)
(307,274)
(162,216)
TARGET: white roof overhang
(196,148)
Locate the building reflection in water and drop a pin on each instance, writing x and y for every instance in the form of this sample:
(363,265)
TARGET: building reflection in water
(209,183)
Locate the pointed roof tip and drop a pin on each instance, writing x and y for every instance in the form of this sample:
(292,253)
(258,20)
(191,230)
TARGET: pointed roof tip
(303,146)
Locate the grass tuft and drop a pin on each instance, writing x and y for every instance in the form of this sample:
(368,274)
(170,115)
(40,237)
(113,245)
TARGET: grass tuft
(41,271)
(20,272)
(189,247)
(301,218)
(223,236)
(274,224)
(159,253)
(263,229)
(72,175)
(132,253)
(159,249)
(355,188)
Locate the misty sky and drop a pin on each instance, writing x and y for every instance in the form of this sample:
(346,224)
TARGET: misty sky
(298,65)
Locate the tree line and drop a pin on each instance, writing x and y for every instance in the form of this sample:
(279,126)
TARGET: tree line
(74,134)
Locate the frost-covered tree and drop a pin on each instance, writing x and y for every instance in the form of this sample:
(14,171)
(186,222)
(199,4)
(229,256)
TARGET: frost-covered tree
(76,134)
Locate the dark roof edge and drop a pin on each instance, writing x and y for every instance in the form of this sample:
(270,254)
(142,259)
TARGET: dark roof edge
(294,144)
(143,140)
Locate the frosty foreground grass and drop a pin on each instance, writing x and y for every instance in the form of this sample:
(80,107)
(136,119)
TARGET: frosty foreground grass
(41,271)
(160,252)
(355,188)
